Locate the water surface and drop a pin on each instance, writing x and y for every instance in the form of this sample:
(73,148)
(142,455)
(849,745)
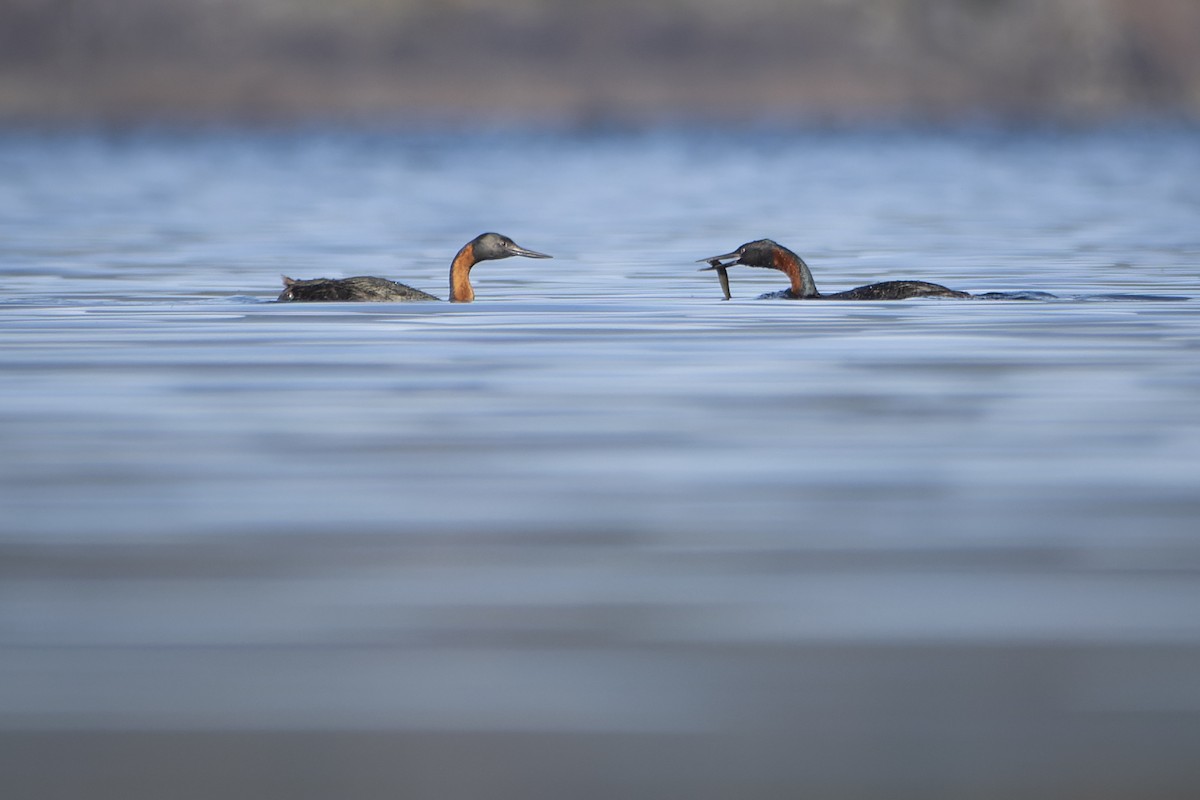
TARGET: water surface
(600,533)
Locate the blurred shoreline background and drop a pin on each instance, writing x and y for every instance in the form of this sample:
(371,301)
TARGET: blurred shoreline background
(584,62)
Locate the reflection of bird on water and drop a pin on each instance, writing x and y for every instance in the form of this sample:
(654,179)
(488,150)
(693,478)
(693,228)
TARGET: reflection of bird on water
(485,247)
(769,254)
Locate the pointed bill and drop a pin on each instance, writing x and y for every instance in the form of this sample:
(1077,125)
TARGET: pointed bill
(716,261)
(517,250)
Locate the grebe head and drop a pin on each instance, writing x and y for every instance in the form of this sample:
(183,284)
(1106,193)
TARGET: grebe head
(760,253)
(772,255)
(491,246)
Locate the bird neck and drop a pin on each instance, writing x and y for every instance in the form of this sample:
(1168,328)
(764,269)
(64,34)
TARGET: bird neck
(794,267)
(460,275)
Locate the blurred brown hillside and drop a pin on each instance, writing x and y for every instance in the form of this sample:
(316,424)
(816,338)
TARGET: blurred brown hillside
(79,61)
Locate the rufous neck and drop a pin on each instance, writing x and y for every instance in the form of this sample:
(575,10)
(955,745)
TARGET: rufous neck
(460,275)
(797,271)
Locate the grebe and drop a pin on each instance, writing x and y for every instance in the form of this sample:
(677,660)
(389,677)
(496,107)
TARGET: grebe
(769,254)
(365,289)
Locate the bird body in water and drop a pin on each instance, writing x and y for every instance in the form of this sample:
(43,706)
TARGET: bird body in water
(771,255)
(361,288)
(366,289)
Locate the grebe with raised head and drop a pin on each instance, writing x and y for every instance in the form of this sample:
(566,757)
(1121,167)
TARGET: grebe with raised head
(772,255)
(367,289)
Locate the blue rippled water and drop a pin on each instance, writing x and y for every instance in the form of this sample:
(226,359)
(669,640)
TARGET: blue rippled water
(601,518)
